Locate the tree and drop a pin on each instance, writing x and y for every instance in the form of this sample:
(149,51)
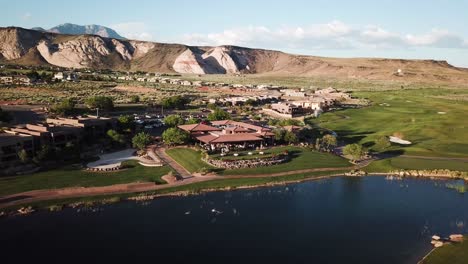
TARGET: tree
(329,142)
(126,123)
(66,107)
(279,134)
(211,106)
(141,140)
(43,154)
(116,136)
(134,99)
(192,121)
(218,114)
(305,134)
(250,102)
(289,122)
(174,136)
(355,151)
(175,102)
(290,137)
(23,156)
(33,75)
(101,102)
(382,143)
(173,120)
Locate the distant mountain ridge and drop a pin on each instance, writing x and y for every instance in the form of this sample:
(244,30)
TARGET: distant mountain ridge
(74,29)
(33,47)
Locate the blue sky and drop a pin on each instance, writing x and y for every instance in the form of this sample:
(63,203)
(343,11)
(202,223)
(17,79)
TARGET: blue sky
(431,29)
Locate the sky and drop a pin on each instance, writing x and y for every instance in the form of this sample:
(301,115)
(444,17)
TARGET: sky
(417,29)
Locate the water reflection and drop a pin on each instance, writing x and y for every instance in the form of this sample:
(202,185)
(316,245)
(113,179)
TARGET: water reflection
(340,220)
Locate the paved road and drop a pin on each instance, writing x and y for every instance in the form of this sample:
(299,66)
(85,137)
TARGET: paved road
(181,171)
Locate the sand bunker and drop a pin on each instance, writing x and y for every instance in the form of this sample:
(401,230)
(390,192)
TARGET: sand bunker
(399,140)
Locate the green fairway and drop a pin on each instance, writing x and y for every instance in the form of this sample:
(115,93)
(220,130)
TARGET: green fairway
(301,159)
(188,158)
(453,254)
(426,164)
(72,177)
(434,120)
(415,164)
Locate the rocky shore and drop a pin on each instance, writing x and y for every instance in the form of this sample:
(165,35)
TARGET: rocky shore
(440,173)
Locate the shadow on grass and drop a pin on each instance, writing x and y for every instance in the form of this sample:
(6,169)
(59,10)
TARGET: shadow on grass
(391,154)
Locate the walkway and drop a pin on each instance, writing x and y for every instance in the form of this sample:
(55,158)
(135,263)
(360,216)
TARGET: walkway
(181,171)
(112,160)
(76,192)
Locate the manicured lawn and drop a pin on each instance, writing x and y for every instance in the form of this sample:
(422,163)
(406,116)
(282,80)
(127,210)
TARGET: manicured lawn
(453,254)
(415,164)
(194,188)
(72,177)
(188,158)
(421,164)
(435,124)
(301,159)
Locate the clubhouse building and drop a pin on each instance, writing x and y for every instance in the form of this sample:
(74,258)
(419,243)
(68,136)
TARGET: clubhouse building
(55,133)
(225,135)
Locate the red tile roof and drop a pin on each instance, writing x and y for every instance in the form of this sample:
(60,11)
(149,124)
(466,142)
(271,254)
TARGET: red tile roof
(239,124)
(232,138)
(198,128)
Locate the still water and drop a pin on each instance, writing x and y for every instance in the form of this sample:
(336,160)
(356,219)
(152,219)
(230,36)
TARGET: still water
(339,220)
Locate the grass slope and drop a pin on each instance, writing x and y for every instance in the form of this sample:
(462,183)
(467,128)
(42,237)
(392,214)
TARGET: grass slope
(412,113)
(301,159)
(188,158)
(72,177)
(453,254)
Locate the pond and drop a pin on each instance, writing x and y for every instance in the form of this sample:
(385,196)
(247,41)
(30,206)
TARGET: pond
(337,220)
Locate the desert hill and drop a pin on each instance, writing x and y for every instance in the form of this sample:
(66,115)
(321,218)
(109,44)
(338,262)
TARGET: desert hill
(31,47)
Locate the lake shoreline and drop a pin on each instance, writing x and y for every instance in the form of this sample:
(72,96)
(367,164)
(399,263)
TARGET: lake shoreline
(151,195)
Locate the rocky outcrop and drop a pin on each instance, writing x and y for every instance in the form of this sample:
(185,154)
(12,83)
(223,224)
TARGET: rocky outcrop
(189,62)
(16,42)
(220,60)
(217,60)
(431,173)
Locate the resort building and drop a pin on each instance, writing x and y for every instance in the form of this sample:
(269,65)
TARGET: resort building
(228,134)
(66,76)
(11,144)
(48,134)
(288,108)
(93,126)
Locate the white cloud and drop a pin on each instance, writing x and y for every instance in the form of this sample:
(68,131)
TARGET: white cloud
(332,35)
(133,30)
